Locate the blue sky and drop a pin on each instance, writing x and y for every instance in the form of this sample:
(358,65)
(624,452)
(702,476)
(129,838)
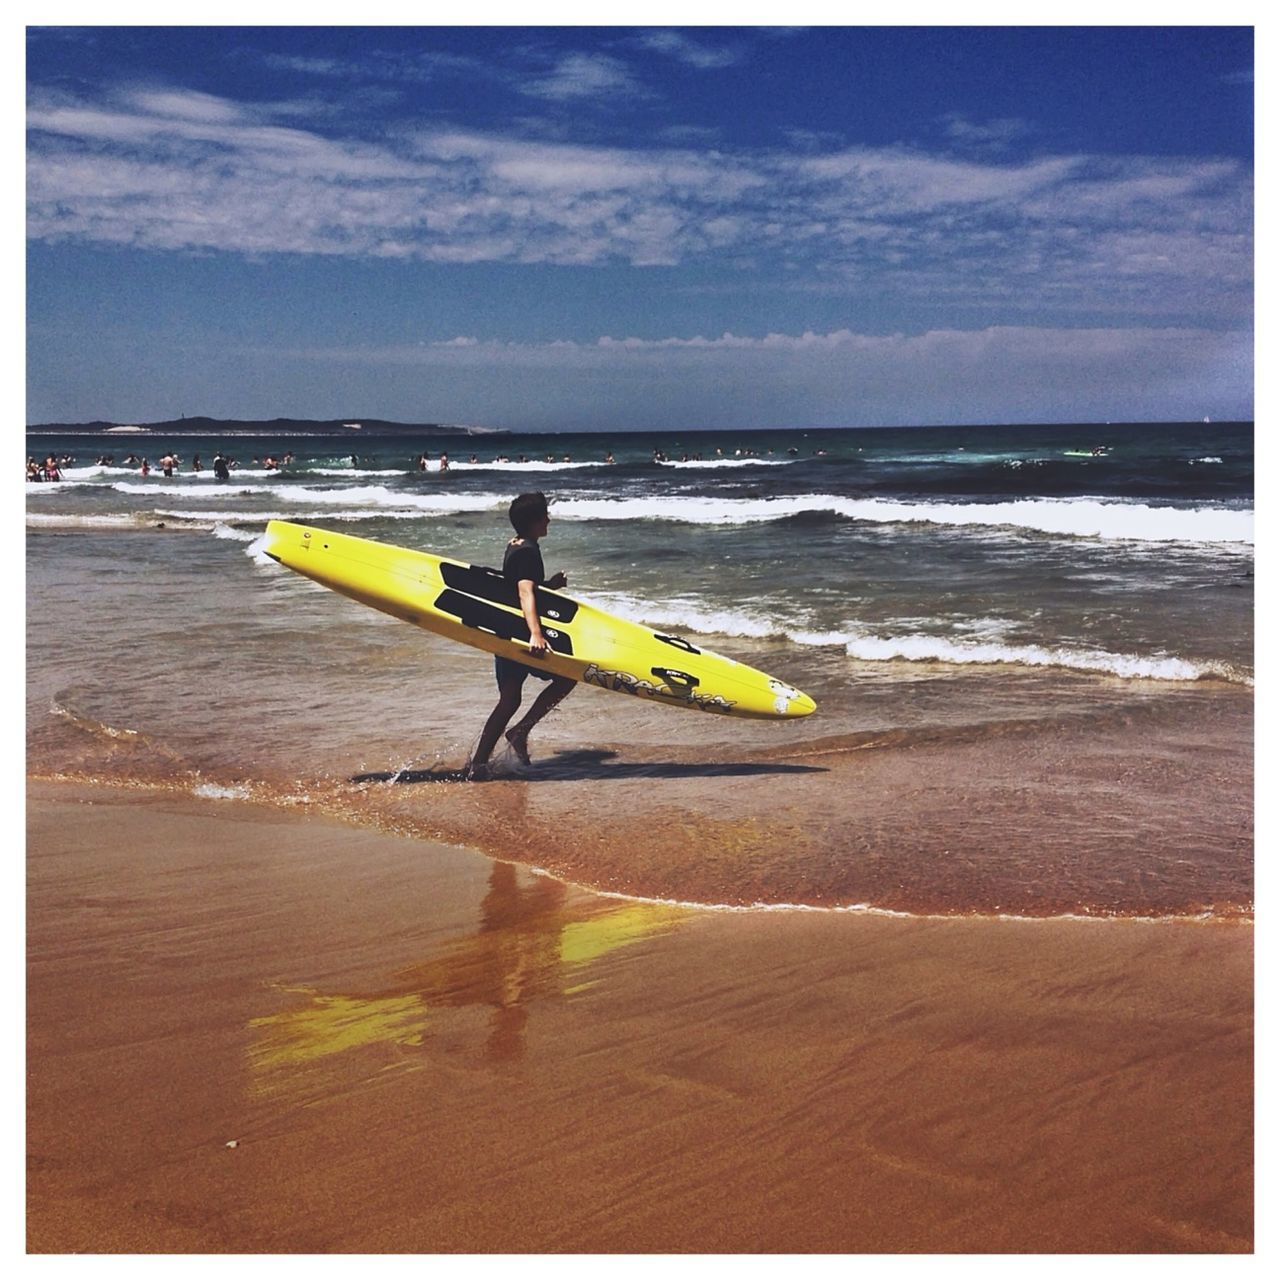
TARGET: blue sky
(622,227)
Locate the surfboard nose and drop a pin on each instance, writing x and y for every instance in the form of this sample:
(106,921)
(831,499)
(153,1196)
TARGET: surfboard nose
(801,706)
(278,535)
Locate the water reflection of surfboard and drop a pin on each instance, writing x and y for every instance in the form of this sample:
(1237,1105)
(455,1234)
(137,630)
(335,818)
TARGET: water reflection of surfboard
(479,607)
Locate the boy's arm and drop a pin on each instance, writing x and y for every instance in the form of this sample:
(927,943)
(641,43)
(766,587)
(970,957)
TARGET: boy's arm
(529,605)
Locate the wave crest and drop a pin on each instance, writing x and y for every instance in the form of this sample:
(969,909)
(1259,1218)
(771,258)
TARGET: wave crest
(680,615)
(1065,517)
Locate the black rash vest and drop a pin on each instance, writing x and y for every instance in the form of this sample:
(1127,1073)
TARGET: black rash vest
(523,560)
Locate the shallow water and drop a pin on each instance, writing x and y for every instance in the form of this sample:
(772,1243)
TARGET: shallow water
(1033,671)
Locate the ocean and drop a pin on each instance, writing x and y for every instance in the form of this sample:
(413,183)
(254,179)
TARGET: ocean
(1031,649)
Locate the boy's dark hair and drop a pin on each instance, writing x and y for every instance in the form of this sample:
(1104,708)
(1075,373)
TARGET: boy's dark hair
(526,511)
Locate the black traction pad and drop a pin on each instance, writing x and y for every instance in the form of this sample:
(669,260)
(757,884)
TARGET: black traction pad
(489,584)
(482,616)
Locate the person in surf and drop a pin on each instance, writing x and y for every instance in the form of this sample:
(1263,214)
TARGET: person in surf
(522,565)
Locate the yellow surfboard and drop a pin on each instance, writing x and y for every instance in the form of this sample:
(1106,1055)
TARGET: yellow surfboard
(479,607)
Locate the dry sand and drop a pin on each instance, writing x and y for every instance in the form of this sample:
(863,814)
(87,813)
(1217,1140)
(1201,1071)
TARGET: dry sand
(413,1048)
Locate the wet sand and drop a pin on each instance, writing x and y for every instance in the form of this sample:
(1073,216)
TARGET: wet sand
(255,1031)
(1144,810)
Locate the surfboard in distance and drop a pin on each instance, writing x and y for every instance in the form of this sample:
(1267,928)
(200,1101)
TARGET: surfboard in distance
(479,607)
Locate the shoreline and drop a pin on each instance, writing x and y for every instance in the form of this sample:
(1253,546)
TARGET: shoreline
(372,821)
(256,1030)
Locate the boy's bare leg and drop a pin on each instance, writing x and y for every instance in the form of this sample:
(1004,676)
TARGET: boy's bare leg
(547,700)
(509,694)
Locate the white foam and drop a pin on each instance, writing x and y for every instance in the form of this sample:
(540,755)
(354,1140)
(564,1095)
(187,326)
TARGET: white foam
(221,530)
(980,647)
(256,518)
(67,713)
(1067,517)
(530,465)
(168,489)
(45,520)
(926,648)
(678,613)
(257,550)
(1097,518)
(79,474)
(703,463)
(211,791)
(351,473)
(890,913)
(378,497)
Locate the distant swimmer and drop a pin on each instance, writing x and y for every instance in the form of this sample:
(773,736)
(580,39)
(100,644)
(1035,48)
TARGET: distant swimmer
(167,464)
(145,468)
(608,457)
(196,464)
(355,462)
(522,565)
(444,462)
(221,471)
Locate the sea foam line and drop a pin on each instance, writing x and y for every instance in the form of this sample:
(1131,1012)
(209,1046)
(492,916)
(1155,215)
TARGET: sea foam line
(891,913)
(256,518)
(1068,517)
(60,520)
(681,615)
(230,534)
(704,463)
(376,497)
(924,648)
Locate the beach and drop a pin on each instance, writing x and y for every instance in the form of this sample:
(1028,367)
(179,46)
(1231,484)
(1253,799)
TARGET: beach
(640,644)
(256,1029)
(959,963)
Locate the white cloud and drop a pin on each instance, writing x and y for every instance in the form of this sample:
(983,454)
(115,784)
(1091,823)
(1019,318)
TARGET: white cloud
(1061,346)
(583,75)
(694,53)
(176,170)
(986,135)
(911,182)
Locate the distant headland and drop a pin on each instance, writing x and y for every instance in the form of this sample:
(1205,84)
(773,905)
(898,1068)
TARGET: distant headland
(351,428)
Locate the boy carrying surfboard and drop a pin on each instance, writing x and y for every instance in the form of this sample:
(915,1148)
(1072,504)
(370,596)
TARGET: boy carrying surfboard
(522,565)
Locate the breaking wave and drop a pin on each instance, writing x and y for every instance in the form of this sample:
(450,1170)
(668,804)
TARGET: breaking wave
(1093,518)
(918,646)
(1067,517)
